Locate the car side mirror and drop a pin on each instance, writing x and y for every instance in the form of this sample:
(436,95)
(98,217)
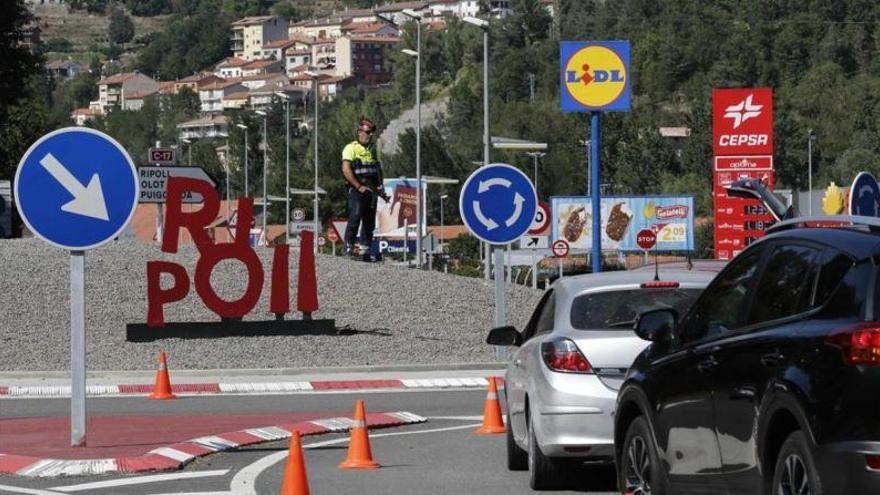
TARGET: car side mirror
(504,336)
(655,325)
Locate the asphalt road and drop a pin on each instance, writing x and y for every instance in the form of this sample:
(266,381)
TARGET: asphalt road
(442,456)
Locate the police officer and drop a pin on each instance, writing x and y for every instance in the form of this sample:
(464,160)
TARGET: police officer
(363,177)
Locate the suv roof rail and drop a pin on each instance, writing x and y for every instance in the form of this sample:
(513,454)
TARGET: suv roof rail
(872,223)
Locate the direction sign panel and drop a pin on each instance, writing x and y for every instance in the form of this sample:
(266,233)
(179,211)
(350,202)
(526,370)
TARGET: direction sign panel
(864,196)
(533,242)
(560,248)
(163,156)
(498,203)
(541,224)
(76,188)
(646,239)
(153,181)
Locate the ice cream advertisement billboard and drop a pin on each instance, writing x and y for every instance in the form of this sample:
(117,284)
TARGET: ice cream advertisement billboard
(670,217)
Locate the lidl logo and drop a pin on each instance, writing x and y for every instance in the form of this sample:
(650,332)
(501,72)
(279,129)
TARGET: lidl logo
(594,76)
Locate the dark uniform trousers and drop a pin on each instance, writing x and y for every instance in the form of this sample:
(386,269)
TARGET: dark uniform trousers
(361,212)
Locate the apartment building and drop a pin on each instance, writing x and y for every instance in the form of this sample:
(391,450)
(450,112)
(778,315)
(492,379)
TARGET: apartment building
(327,27)
(211,95)
(210,126)
(363,57)
(251,34)
(230,67)
(112,89)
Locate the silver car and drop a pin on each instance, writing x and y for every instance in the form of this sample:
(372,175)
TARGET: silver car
(561,383)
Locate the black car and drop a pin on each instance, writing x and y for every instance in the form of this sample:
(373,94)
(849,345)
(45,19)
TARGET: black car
(770,383)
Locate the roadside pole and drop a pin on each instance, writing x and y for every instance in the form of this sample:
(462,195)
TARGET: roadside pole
(77,349)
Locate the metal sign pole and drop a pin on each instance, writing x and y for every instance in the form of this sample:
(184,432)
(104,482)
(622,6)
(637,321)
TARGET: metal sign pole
(534,271)
(159,221)
(559,265)
(77,350)
(595,178)
(500,310)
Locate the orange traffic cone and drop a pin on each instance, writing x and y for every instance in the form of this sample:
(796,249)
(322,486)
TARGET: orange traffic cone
(295,480)
(359,454)
(162,389)
(492,421)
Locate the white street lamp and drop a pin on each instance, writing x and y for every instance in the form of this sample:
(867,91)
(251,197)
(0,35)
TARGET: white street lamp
(286,165)
(242,126)
(535,155)
(484,25)
(265,166)
(442,233)
(315,88)
(189,150)
(417,17)
(811,137)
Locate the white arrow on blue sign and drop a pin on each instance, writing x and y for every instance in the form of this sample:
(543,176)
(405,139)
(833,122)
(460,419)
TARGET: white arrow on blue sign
(76,188)
(864,196)
(498,203)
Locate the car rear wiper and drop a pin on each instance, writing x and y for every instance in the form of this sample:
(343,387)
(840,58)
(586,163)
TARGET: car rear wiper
(617,324)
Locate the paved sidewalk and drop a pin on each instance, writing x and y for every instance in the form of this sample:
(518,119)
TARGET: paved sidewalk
(197,382)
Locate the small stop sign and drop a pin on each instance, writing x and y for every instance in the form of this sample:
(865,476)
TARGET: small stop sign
(646,239)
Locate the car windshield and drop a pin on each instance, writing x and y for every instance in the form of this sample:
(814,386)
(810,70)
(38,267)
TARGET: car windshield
(619,309)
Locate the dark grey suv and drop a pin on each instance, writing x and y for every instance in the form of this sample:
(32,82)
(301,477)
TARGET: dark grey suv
(770,382)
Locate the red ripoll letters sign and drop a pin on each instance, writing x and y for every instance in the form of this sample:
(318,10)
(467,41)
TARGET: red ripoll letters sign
(211,254)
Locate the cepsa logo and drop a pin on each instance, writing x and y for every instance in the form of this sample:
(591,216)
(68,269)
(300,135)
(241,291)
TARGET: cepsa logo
(743,121)
(595,76)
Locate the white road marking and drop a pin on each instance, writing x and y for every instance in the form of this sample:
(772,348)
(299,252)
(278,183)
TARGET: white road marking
(155,478)
(27,491)
(457,418)
(244,482)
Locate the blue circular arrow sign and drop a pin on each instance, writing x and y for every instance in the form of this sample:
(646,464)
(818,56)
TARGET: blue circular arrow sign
(864,196)
(498,203)
(76,188)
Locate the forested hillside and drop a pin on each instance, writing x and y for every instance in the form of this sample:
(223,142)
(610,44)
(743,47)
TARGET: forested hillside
(820,58)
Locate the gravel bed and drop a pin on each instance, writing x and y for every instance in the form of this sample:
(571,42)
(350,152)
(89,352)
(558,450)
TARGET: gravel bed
(399,316)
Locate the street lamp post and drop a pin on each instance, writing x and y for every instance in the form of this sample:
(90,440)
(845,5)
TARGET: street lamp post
(417,17)
(265,166)
(189,151)
(811,136)
(286,166)
(484,25)
(535,155)
(315,89)
(242,126)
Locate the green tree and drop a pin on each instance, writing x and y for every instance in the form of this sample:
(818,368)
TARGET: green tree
(121,28)
(22,111)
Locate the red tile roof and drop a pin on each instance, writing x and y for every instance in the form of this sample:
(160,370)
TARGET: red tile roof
(118,78)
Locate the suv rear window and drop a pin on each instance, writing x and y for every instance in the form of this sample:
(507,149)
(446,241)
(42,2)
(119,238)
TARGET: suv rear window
(619,309)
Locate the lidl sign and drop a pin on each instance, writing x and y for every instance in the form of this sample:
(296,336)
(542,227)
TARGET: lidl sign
(594,76)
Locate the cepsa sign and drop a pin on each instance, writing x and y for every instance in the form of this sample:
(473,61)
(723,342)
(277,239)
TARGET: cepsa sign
(594,76)
(743,121)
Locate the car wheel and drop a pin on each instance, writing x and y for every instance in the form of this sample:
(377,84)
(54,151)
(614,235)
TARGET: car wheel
(795,472)
(544,472)
(639,470)
(517,458)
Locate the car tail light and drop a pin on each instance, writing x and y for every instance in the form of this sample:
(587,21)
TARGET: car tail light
(660,284)
(860,344)
(563,355)
(873,461)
